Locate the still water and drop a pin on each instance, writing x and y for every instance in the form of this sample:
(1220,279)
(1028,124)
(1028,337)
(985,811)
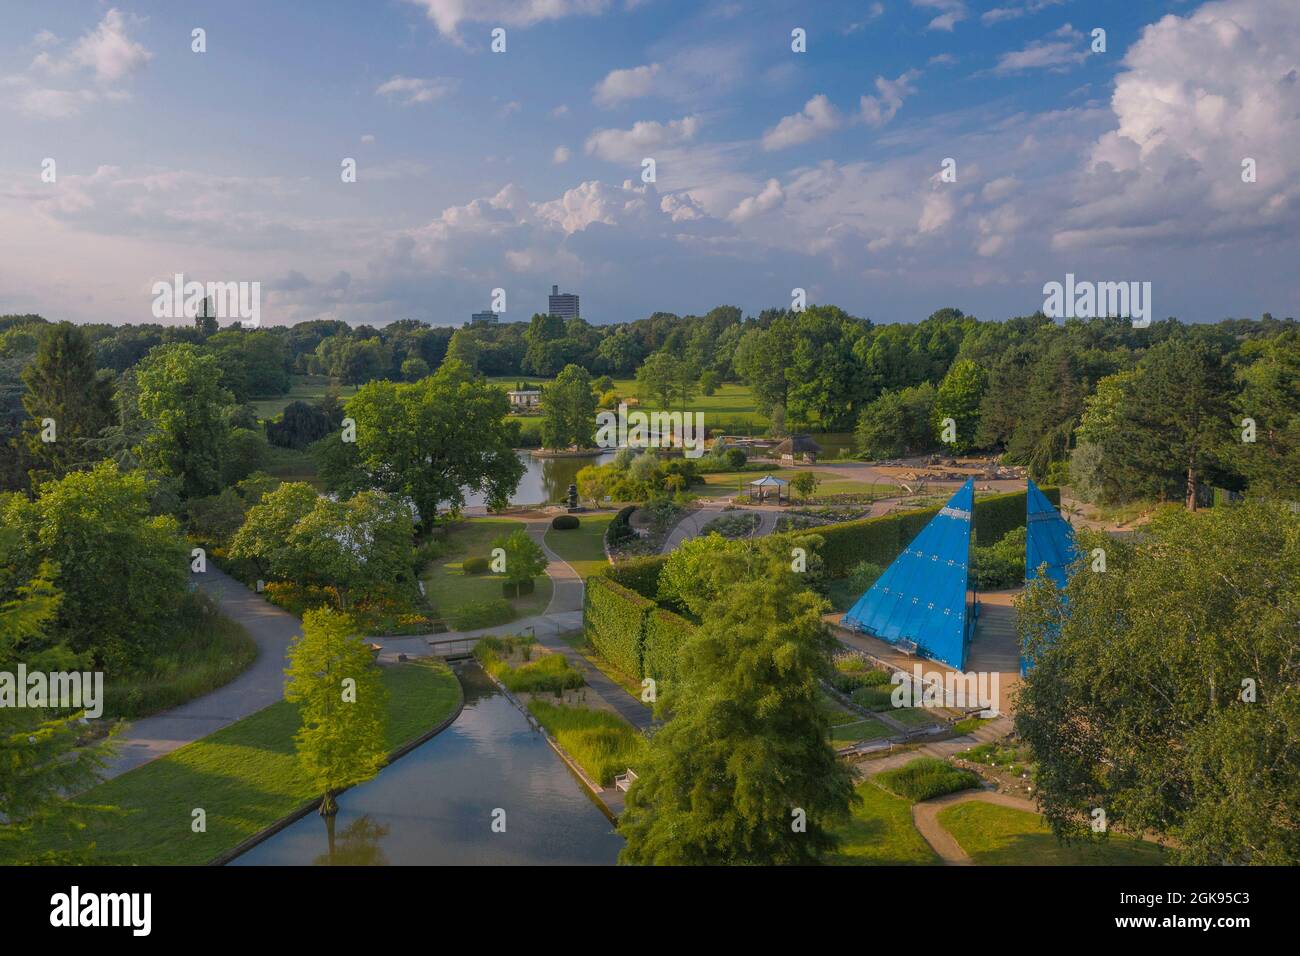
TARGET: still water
(545,480)
(436,804)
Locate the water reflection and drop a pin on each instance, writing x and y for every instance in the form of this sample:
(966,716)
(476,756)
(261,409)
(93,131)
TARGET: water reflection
(545,480)
(436,804)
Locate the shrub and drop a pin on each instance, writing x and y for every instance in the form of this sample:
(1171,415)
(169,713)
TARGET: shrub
(614,618)
(665,633)
(476,614)
(926,778)
(864,575)
(620,527)
(639,574)
(474,566)
(1003,564)
(564,522)
(550,673)
(875,697)
(602,743)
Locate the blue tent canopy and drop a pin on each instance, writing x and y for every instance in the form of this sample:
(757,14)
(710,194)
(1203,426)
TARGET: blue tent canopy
(1050,539)
(1049,545)
(922,596)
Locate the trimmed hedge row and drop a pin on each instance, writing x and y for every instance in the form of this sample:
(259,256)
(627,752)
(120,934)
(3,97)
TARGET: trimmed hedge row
(665,633)
(614,618)
(640,574)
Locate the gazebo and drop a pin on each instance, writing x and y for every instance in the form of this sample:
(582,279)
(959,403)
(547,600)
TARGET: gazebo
(761,486)
(798,448)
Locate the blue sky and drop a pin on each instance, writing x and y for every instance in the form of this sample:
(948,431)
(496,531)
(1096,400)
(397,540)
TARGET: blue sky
(775,169)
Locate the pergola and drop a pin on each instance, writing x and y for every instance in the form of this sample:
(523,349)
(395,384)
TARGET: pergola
(761,485)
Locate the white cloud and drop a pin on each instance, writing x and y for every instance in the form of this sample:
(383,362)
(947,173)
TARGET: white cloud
(880,109)
(950,13)
(1058,52)
(411,90)
(620,85)
(817,118)
(873,12)
(1014,11)
(642,140)
(448,15)
(367,138)
(561,155)
(771,197)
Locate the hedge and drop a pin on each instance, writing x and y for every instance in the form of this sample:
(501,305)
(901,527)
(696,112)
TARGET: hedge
(665,633)
(620,526)
(476,565)
(564,522)
(614,619)
(640,574)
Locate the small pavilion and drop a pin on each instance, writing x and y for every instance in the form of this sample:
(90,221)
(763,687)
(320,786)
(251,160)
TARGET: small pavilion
(761,486)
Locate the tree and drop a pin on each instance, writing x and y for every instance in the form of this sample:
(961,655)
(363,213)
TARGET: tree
(709,382)
(959,398)
(805,484)
(898,423)
(246,451)
(180,393)
(63,384)
(432,440)
(525,559)
(333,680)
(742,772)
(300,424)
(656,380)
(1164,691)
(42,756)
(121,572)
(358,545)
(569,410)
(263,538)
(1270,397)
(414,368)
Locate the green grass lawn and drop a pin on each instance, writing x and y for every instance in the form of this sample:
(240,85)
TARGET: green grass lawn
(448,588)
(731,403)
(911,716)
(1002,836)
(302,388)
(583,546)
(858,730)
(245,777)
(290,464)
(881,833)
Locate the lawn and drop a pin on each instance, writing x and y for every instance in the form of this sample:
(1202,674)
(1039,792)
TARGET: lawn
(881,833)
(582,547)
(926,778)
(245,777)
(853,732)
(448,588)
(602,742)
(731,404)
(1002,836)
(290,464)
(302,388)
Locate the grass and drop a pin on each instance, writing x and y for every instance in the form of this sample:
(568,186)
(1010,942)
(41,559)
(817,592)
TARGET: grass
(925,778)
(245,777)
(855,731)
(911,716)
(578,641)
(602,743)
(209,651)
(508,661)
(994,835)
(291,464)
(302,388)
(729,404)
(582,547)
(880,832)
(448,588)
(1010,759)
(969,725)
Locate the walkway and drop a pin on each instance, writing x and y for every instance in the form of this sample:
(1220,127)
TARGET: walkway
(692,525)
(259,686)
(925,816)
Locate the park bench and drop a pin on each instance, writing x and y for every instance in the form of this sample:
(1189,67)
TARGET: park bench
(624,780)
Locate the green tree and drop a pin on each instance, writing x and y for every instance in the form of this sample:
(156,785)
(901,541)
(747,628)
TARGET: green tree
(336,685)
(414,368)
(805,484)
(569,410)
(432,440)
(656,380)
(180,393)
(63,384)
(1270,397)
(959,398)
(525,559)
(742,772)
(898,423)
(263,537)
(1164,689)
(354,546)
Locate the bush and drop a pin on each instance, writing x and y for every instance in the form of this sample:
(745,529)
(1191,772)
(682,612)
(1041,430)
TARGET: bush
(926,778)
(620,527)
(474,566)
(1003,564)
(639,574)
(550,673)
(564,522)
(864,575)
(476,614)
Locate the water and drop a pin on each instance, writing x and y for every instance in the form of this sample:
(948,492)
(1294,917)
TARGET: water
(435,805)
(545,480)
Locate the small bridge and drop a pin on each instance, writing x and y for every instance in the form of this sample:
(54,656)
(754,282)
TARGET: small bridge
(453,648)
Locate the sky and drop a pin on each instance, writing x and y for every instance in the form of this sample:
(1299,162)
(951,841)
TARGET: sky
(774,169)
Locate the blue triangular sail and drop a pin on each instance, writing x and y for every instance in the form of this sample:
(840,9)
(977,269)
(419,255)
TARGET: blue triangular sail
(921,597)
(1049,545)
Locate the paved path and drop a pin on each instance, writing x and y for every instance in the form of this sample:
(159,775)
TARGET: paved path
(259,686)
(926,817)
(692,525)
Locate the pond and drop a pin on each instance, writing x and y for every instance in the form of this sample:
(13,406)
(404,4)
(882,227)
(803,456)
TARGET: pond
(436,805)
(545,480)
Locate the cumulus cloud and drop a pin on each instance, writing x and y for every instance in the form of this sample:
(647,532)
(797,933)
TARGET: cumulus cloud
(751,206)
(643,139)
(448,15)
(412,90)
(620,85)
(880,109)
(561,155)
(62,82)
(817,118)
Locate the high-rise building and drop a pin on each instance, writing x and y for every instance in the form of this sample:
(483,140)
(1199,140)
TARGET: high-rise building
(565,306)
(483,318)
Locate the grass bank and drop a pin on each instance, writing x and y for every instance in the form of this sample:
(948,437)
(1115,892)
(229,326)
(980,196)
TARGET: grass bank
(245,777)
(582,547)
(448,588)
(601,742)
(993,835)
(881,833)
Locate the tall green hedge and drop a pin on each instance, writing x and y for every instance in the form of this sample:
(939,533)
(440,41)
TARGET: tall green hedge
(665,633)
(614,619)
(640,574)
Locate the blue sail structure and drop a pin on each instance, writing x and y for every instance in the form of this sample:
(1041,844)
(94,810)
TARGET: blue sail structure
(1049,545)
(921,599)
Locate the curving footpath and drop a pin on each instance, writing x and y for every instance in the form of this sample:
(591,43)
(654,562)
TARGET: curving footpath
(925,816)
